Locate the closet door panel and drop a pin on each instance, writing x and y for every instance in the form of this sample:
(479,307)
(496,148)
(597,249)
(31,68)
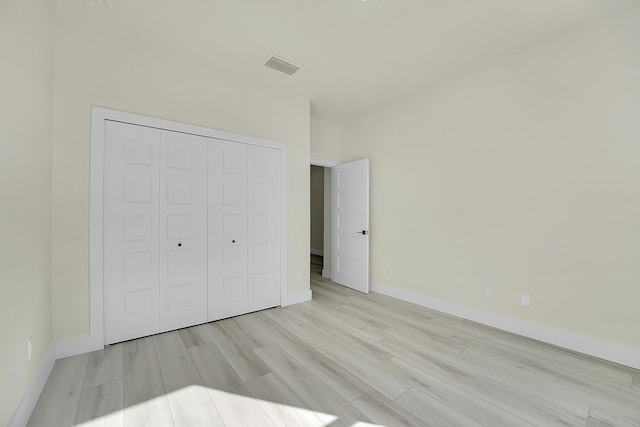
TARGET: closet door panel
(183,236)
(227,229)
(264,228)
(131,222)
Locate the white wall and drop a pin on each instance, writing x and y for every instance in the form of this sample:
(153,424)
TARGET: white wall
(25,194)
(317,208)
(523,176)
(325,139)
(93,67)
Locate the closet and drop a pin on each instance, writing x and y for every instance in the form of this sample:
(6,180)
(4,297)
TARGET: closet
(191,229)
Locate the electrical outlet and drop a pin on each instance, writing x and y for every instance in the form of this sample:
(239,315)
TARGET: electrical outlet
(391,272)
(30,347)
(488,293)
(525,300)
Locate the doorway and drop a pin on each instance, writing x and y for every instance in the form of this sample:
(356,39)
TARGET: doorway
(320,220)
(345,222)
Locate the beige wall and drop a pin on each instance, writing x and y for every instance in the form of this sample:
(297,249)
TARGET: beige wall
(325,139)
(523,176)
(317,208)
(93,67)
(25,194)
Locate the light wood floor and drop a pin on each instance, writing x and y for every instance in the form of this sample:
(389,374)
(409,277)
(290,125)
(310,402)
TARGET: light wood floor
(343,359)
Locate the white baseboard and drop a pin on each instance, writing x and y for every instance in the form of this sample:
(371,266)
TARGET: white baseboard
(28,403)
(326,273)
(587,345)
(318,252)
(76,346)
(297,297)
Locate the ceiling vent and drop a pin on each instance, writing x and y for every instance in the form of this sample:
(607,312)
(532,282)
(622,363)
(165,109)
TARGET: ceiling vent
(281,65)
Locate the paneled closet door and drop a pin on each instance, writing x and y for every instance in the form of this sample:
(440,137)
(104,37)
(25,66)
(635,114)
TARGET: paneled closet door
(131,222)
(227,229)
(183,230)
(264,228)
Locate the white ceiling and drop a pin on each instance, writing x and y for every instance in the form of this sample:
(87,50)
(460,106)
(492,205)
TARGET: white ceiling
(355,56)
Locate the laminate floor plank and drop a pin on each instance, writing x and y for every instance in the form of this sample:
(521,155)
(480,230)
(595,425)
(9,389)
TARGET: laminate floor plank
(60,397)
(592,422)
(353,326)
(371,318)
(343,359)
(189,401)
(329,295)
(102,405)
(316,394)
(269,329)
(566,389)
(326,368)
(195,335)
(278,314)
(230,395)
(215,370)
(367,372)
(322,283)
(384,411)
(411,336)
(609,381)
(608,419)
(556,358)
(104,366)
(560,400)
(282,405)
(175,363)
(335,375)
(371,323)
(145,399)
(448,394)
(431,412)
(400,319)
(341,338)
(496,387)
(252,337)
(238,350)
(136,345)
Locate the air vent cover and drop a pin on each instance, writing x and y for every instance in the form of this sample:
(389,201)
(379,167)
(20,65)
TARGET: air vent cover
(281,65)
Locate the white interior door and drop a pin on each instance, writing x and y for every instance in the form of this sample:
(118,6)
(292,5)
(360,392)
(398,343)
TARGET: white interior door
(228,293)
(263,228)
(183,226)
(350,225)
(131,222)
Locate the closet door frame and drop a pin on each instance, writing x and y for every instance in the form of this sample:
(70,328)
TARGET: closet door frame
(99,116)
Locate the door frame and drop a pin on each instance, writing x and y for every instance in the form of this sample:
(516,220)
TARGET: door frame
(99,115)
(329,164)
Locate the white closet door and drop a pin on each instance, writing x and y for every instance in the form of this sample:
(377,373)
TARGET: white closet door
(227,229)
(183,230)
(131,221)
(264,228)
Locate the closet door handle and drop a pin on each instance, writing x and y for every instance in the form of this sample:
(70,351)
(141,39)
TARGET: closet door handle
(233,241)
(179,244)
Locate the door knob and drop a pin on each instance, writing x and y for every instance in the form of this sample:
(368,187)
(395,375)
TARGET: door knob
(233,241)
(179,243)
(363,232)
